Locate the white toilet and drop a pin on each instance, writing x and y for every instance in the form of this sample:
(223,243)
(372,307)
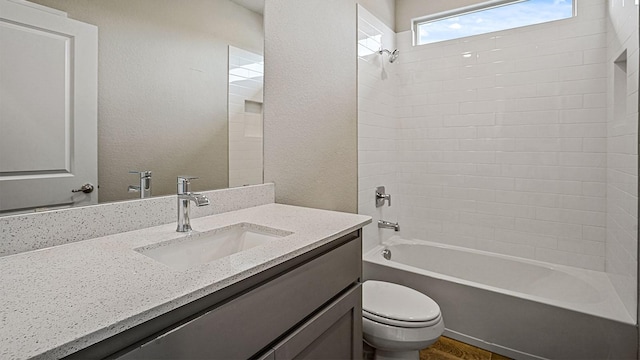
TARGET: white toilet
(398,321)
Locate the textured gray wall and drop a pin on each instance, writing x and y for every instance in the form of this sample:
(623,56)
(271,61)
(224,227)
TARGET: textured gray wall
(310,116)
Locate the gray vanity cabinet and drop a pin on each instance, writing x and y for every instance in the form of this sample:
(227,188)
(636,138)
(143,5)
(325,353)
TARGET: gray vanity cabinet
(310,309)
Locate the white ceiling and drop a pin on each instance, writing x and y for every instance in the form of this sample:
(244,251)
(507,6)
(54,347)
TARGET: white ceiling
(253,5)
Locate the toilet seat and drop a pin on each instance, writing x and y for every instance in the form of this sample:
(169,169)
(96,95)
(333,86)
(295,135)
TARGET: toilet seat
(400,323)
(398,305)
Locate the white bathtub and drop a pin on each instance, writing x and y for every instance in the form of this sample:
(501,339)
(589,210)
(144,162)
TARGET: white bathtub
(517,307)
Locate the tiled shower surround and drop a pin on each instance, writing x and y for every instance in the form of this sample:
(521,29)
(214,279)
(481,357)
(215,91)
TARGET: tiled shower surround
(502,141)
(622,152)
(377,126)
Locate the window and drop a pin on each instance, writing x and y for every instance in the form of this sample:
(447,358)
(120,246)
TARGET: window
(487,17)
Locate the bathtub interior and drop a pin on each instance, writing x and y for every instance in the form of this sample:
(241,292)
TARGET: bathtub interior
(582,290)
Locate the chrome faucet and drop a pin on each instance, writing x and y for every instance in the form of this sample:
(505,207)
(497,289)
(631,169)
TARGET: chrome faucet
(185,196)
(388,225)
(145,184)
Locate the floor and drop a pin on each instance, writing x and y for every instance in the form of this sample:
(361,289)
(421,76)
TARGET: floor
(448,349)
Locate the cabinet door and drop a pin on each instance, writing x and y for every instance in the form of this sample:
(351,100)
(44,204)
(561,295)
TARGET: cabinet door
(334,333)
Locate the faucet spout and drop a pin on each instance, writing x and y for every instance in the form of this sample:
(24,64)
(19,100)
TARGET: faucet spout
(185,197)
(382,224)
(198,199)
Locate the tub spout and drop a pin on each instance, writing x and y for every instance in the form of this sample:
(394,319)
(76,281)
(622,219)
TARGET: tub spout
(388,225)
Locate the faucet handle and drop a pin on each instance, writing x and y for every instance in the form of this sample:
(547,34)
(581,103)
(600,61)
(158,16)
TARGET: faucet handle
(382,196)
(183,184)
(143,174)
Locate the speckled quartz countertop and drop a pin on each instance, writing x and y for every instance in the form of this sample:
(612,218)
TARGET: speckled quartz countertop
(58,300)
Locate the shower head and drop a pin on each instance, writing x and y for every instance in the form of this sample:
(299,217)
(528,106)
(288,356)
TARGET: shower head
(393,55)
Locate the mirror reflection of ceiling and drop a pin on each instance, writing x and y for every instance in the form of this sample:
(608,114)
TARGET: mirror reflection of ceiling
(162,85)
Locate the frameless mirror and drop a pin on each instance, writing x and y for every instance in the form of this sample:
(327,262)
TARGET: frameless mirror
(164,92)
(246,84)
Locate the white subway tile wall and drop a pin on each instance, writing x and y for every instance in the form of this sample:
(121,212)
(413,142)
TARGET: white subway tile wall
(506,133)
(500,140)
(622,152)
(377,125)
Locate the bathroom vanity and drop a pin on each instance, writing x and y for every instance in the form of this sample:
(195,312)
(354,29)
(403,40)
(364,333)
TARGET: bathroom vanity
(310,303)
(298,295)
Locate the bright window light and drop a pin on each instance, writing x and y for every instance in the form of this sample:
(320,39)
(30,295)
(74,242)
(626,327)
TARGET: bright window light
(488,17)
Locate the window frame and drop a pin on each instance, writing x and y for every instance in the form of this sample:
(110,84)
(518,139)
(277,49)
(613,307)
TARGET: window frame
(486,5)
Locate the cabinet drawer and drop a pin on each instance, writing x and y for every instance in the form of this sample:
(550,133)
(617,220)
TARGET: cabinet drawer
(248,323)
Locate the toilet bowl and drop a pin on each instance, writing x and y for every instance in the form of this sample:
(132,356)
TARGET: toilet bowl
(398,321)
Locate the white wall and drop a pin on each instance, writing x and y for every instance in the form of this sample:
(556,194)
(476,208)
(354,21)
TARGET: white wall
(162,87)
(382,10)
(310,129)
(503,137)
(377,126)
(622,152)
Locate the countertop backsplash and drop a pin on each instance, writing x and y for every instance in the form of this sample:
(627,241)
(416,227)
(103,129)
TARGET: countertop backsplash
(27,232)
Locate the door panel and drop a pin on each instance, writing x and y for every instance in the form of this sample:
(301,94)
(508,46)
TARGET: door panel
(48,108)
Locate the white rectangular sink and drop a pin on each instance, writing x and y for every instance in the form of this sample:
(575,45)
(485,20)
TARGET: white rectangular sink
(198,248)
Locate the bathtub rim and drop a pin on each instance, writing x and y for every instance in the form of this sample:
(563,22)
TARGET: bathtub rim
(611,308)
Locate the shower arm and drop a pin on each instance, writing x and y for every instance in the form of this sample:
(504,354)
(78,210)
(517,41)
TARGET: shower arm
(393,55)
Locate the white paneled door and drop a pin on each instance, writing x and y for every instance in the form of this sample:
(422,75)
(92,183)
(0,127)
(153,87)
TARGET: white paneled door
(48,108)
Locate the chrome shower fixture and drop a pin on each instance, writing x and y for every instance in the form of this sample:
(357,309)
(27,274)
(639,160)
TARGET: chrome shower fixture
(393,55)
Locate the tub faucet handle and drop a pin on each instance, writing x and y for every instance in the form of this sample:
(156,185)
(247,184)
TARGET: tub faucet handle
(381,197)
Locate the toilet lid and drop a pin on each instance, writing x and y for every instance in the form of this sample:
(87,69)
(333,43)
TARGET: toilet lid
(399,304)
